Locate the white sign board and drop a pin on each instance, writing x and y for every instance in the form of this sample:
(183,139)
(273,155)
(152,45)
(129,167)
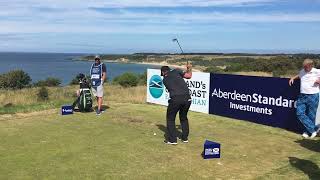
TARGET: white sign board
(199,86)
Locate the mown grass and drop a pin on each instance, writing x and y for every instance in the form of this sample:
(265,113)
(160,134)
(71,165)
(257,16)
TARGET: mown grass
(26,100)
(120,144)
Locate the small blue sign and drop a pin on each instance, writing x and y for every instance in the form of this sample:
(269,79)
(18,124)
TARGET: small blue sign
(66,110)
(211,150)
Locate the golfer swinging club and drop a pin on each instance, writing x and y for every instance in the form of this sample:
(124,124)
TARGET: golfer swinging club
(180,101)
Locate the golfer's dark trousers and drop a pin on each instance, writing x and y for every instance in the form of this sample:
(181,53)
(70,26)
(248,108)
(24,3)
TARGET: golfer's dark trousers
(177,104)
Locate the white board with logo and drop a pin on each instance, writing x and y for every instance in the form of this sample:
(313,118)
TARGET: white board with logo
(156,92)
(199,86)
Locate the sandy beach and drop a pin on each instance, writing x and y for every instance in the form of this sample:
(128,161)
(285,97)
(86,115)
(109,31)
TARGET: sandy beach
(163,63)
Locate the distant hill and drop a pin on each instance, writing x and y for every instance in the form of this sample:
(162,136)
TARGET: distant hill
(228,54)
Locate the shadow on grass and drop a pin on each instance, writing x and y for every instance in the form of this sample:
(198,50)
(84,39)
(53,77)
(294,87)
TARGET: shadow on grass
(78,111)
(164,130)
(312,145)
(307,167)
(202,154)
(103,107)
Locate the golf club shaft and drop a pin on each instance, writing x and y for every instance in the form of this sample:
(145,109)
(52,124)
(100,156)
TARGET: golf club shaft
(182,51)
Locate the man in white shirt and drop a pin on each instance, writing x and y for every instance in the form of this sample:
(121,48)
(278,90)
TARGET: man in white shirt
(308,99)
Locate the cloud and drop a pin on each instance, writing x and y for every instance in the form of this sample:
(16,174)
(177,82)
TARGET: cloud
(15,36)
(130,3)
(8,37)
(210,17)
(179,3)
(95,16)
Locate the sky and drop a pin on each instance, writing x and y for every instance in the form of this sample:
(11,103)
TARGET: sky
(130,26)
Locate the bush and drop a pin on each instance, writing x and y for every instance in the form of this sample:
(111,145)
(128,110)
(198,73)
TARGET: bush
(75,80)
(3,82)
(127,80)
(43,94)
(277,73)
(16,79)
(143,78)
(49,82)
(213,69)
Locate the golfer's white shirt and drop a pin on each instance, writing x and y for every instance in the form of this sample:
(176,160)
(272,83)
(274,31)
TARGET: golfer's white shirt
(308,80)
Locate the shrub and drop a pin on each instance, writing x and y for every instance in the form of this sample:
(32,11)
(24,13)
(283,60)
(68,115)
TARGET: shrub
(75,80)
(127,80)
(43,94)
(2,81)
(50,82)
(214,69)
(16,79)
(8,105)
(143,78)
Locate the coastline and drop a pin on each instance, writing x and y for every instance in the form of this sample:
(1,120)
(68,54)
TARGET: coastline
(163,63)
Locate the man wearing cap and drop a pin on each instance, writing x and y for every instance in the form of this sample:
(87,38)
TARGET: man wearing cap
(98,76)
(308,99)
(180,101)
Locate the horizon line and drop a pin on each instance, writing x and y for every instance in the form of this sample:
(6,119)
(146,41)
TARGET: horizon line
(226,51)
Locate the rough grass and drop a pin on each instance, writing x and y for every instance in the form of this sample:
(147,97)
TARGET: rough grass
(120,144)
(25,100)
(28,96)
(115,93)
(262,74)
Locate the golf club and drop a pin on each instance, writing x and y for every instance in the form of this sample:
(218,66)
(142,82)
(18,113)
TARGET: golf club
(176,40)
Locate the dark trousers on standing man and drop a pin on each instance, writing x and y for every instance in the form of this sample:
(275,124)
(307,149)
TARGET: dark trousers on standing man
(177,104)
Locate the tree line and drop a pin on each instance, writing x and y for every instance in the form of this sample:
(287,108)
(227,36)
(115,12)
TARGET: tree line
(18,79)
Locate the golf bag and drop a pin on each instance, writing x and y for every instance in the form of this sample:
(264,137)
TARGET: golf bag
(84,99)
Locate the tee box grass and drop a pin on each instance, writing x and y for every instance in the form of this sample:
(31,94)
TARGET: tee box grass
(126,142)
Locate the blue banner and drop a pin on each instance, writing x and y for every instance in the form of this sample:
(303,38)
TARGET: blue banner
(262,100)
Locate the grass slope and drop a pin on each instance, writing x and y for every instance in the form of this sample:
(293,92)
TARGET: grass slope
(25,100)
(120,144)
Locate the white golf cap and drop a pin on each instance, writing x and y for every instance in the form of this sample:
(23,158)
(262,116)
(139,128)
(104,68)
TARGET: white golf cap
(97,57)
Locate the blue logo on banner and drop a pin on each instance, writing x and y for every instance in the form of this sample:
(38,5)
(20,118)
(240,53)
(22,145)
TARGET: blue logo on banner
(156,86)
